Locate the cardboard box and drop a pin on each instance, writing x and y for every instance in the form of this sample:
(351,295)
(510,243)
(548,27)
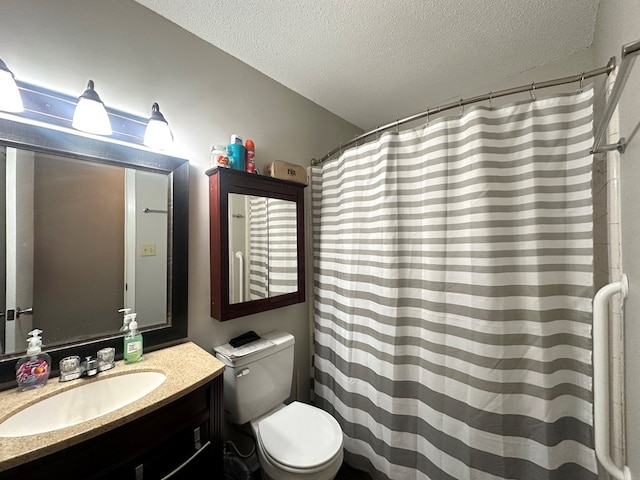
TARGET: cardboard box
(286,171)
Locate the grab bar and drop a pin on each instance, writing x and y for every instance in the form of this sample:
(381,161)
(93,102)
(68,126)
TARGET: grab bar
(241,274)
(601,376)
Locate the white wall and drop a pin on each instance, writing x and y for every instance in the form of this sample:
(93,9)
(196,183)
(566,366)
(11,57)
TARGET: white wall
(618,25)
(136,58)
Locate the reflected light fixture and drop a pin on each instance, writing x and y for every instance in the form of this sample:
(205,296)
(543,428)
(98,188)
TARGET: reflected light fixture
(90,115)
(10,99)
(158,134)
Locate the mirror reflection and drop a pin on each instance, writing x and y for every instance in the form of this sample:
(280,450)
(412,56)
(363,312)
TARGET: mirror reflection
(263,255)
(82,240)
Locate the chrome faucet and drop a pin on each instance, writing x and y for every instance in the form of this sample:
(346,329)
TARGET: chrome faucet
(89,367)
(72,368)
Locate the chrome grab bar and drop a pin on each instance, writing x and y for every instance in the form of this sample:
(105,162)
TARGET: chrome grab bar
(240,258)
(601,376)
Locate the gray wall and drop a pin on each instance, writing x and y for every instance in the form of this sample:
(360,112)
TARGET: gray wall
(618,25)
(136,58)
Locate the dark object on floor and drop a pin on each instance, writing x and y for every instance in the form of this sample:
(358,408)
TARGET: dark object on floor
(235,468)
(348,473)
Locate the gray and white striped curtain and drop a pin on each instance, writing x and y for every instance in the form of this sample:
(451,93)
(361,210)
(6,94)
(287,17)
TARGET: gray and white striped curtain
(273,252)
(452,295)
(258,248)
(283,247)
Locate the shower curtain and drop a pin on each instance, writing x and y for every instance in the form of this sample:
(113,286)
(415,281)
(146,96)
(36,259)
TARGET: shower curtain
(452,295)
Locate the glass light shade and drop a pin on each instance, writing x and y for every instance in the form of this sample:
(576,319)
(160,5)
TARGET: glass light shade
(10,99)
(158,134)
(90,115)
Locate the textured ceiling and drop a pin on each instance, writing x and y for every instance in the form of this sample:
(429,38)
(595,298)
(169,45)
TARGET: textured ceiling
(372,61)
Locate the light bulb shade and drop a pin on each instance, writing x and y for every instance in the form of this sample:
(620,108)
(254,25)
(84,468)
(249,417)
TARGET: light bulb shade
(10,99)
(158,134)
(90,115)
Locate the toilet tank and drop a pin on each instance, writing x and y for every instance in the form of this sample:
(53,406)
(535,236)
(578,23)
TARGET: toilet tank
(259,382)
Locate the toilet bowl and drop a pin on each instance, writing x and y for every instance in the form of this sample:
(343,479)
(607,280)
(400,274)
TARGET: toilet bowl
(293,442)
(298,441)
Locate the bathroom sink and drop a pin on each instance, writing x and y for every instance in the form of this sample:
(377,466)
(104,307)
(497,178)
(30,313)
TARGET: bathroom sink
(79,404)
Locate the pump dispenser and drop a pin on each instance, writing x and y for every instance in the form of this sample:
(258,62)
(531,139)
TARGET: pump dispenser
(33,370)
(132,341)
(126,320)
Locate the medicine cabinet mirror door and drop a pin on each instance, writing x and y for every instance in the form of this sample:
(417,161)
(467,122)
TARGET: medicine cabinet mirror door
(263,249)
(257,243)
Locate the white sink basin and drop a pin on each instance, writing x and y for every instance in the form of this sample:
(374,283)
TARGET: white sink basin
(82,403)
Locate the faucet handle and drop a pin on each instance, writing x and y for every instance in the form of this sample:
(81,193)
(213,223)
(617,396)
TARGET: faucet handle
(106,358)
(69,368)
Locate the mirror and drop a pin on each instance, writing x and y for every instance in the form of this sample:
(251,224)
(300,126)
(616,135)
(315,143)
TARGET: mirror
(263,250)
(257,243)
(90,226)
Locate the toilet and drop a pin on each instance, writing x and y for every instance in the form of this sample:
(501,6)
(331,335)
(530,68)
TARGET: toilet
(293,442)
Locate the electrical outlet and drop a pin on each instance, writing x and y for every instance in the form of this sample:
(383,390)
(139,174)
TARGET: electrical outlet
(148,250)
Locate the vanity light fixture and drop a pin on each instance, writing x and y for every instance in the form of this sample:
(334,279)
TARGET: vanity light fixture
(90,114)
(10,99)
(158,134)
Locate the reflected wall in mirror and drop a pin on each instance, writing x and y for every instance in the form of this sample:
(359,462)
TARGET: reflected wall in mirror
(257,243)
(91,226)
(263,250)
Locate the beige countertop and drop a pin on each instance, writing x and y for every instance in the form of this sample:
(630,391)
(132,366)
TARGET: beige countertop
(186,366)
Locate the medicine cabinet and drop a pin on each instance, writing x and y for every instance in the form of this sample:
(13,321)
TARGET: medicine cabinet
(256,242)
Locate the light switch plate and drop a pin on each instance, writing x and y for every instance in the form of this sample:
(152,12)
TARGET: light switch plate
(148,250)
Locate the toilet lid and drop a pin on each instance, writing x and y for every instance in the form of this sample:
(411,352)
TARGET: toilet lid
(300,436)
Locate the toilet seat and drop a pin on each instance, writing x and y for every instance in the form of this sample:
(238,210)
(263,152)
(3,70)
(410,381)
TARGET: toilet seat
(300,437)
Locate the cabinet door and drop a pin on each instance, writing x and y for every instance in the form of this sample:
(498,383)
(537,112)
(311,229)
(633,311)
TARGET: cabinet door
(160,441)
(187,455)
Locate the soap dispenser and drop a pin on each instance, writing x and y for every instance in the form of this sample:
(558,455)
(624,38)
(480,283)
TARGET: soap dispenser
(132,341)
(33,370)
(127,319)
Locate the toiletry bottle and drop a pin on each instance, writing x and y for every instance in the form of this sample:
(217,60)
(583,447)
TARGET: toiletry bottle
(251,153)
(33,370)
(237,153)
(132,342)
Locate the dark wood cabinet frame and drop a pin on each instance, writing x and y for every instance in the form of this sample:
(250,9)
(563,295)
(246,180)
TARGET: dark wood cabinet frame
(222,182)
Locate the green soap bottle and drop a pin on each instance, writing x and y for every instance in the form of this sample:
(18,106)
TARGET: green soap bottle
(132,342)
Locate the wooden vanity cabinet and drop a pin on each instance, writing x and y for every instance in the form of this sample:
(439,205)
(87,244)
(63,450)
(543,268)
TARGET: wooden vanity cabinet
(184,435)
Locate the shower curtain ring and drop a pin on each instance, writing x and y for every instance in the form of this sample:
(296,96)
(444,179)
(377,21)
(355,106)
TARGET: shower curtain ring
(461,107)
(531,92)
(397,125)
(581,82)
(427,117)
(490,106)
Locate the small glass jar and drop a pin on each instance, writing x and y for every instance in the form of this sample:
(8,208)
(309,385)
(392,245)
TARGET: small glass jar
(219,157)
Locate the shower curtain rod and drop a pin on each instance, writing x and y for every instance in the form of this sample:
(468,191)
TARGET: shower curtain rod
(628,56)
(480,98)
